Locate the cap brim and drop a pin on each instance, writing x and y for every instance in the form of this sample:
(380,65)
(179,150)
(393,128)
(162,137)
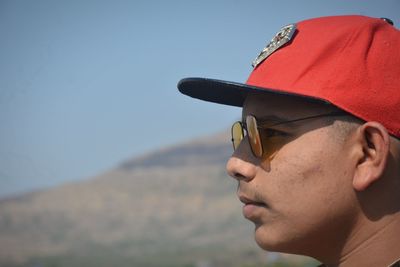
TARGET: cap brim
(230,93)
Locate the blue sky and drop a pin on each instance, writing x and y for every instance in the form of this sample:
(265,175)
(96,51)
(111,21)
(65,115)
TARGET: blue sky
(86,85)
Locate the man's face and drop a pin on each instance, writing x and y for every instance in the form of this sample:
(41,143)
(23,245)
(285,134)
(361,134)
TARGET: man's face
(299,194)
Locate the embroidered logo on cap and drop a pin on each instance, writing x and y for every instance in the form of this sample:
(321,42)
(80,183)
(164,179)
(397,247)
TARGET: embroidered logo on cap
(281,38)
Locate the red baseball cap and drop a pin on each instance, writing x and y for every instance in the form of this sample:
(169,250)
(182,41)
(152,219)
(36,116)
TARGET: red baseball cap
(351,62)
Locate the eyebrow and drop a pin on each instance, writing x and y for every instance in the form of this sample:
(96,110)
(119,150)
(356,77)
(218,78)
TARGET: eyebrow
(268,119)
(272,120)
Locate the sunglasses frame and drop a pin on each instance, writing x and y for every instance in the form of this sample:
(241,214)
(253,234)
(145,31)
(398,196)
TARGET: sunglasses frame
(257,145)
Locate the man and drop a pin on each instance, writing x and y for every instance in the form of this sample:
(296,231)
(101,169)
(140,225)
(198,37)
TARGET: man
(317,153)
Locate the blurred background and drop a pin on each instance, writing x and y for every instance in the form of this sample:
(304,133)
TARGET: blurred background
(102,161)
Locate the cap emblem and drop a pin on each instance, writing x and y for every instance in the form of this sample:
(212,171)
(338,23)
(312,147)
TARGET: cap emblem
(281,38)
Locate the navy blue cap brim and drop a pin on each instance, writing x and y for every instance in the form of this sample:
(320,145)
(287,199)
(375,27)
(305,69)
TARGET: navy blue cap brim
(229,93)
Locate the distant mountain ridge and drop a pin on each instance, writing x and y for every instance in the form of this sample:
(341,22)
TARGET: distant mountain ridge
(196,152)
(173,207)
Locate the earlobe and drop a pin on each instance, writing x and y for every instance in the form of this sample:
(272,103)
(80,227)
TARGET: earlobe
(374,143)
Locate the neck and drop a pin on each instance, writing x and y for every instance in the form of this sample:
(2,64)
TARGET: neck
(375,244)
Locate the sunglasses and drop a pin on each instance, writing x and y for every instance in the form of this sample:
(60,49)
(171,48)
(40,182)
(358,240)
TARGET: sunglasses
(251,129)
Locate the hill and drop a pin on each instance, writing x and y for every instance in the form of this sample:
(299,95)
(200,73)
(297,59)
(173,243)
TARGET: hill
(172,207)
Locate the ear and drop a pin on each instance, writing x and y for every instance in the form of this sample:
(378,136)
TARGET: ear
(374,143)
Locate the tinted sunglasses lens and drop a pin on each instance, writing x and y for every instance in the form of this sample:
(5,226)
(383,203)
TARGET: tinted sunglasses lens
(254,136)
(237,134)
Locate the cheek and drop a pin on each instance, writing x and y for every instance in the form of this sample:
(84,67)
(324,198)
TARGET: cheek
(308,197)
(309,179)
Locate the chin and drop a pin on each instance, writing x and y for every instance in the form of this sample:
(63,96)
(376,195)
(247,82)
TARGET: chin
(273,241)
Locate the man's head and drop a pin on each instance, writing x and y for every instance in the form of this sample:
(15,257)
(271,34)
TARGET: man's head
(318,161)
(317,177)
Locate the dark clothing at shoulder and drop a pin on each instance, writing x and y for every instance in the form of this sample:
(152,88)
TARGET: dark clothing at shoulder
(394,264)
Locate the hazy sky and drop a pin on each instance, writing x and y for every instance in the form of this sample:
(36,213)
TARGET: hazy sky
(86,85)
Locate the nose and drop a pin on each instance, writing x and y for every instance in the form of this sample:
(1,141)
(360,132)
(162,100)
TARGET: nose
(242,164)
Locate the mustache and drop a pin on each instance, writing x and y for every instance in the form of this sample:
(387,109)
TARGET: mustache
(250,192)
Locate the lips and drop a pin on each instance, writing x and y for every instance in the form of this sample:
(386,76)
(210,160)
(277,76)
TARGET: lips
(252,209)
(246,200)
